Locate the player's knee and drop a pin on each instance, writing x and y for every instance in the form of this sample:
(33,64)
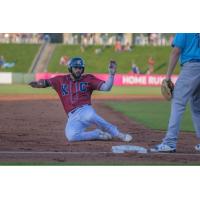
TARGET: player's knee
(71,138)
(89,116)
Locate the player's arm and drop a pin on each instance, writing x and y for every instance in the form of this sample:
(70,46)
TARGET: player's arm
(109,83)
(42,83)
(173,61)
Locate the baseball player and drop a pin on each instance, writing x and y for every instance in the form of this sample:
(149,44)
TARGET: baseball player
(187,88)
(75,90)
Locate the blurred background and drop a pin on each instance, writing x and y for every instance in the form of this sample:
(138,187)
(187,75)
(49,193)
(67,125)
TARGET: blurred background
(142,63)
(137,53)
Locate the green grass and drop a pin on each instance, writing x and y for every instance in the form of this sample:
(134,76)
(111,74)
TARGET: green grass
(123,90)
(23,89)
(152,114)
(22,54)
(97,63)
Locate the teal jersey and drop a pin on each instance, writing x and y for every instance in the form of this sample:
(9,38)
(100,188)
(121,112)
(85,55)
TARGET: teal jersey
(189,43)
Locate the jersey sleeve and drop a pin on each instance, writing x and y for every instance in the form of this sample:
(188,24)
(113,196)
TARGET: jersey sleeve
(179,40)
(54,82)
(95,83)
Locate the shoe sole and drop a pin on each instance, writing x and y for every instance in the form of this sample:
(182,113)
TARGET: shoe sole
(128,140)
(157,151)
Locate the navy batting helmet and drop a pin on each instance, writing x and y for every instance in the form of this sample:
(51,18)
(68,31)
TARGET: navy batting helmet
(76,62)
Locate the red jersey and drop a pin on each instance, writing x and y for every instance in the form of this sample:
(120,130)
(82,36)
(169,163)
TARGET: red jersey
(75,93)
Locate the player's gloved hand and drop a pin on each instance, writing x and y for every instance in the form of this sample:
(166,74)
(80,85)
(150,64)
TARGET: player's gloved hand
(167,88)
(33,84)
(112,67)
(37,84)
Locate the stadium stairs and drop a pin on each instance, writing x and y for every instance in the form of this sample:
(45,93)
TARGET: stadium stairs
(42,58)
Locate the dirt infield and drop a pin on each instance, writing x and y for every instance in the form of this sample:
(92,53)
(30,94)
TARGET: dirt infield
(32,131)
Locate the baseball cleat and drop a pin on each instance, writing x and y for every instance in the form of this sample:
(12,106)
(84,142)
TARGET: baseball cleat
(163,148)
(125,137)
(104,135)
(197,147)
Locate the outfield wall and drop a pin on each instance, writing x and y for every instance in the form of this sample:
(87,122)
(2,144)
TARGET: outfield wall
(120,79)
(123,79)
(19,78)
(5,78)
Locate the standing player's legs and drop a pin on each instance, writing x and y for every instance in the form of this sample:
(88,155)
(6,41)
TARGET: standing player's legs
(178,106)
(195,109)
(184,88)
(79,121)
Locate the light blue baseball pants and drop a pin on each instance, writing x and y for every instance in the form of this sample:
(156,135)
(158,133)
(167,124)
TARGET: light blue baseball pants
(187,88)
(81,119)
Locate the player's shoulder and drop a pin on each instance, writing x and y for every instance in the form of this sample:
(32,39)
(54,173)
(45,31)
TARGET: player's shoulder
(88,76)
(61,76)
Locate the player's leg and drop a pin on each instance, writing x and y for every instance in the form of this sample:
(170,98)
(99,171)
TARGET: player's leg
(76,125)
(195,110)
(73,135)
(181,95)
(101,123)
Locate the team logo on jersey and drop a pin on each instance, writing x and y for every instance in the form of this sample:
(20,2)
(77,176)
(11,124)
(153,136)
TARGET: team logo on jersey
(64,89)
(83,86)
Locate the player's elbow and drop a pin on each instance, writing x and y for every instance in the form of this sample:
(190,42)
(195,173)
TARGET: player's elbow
(106,87)
(176,52)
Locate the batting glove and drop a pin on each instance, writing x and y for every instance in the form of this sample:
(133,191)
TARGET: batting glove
(112,67)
